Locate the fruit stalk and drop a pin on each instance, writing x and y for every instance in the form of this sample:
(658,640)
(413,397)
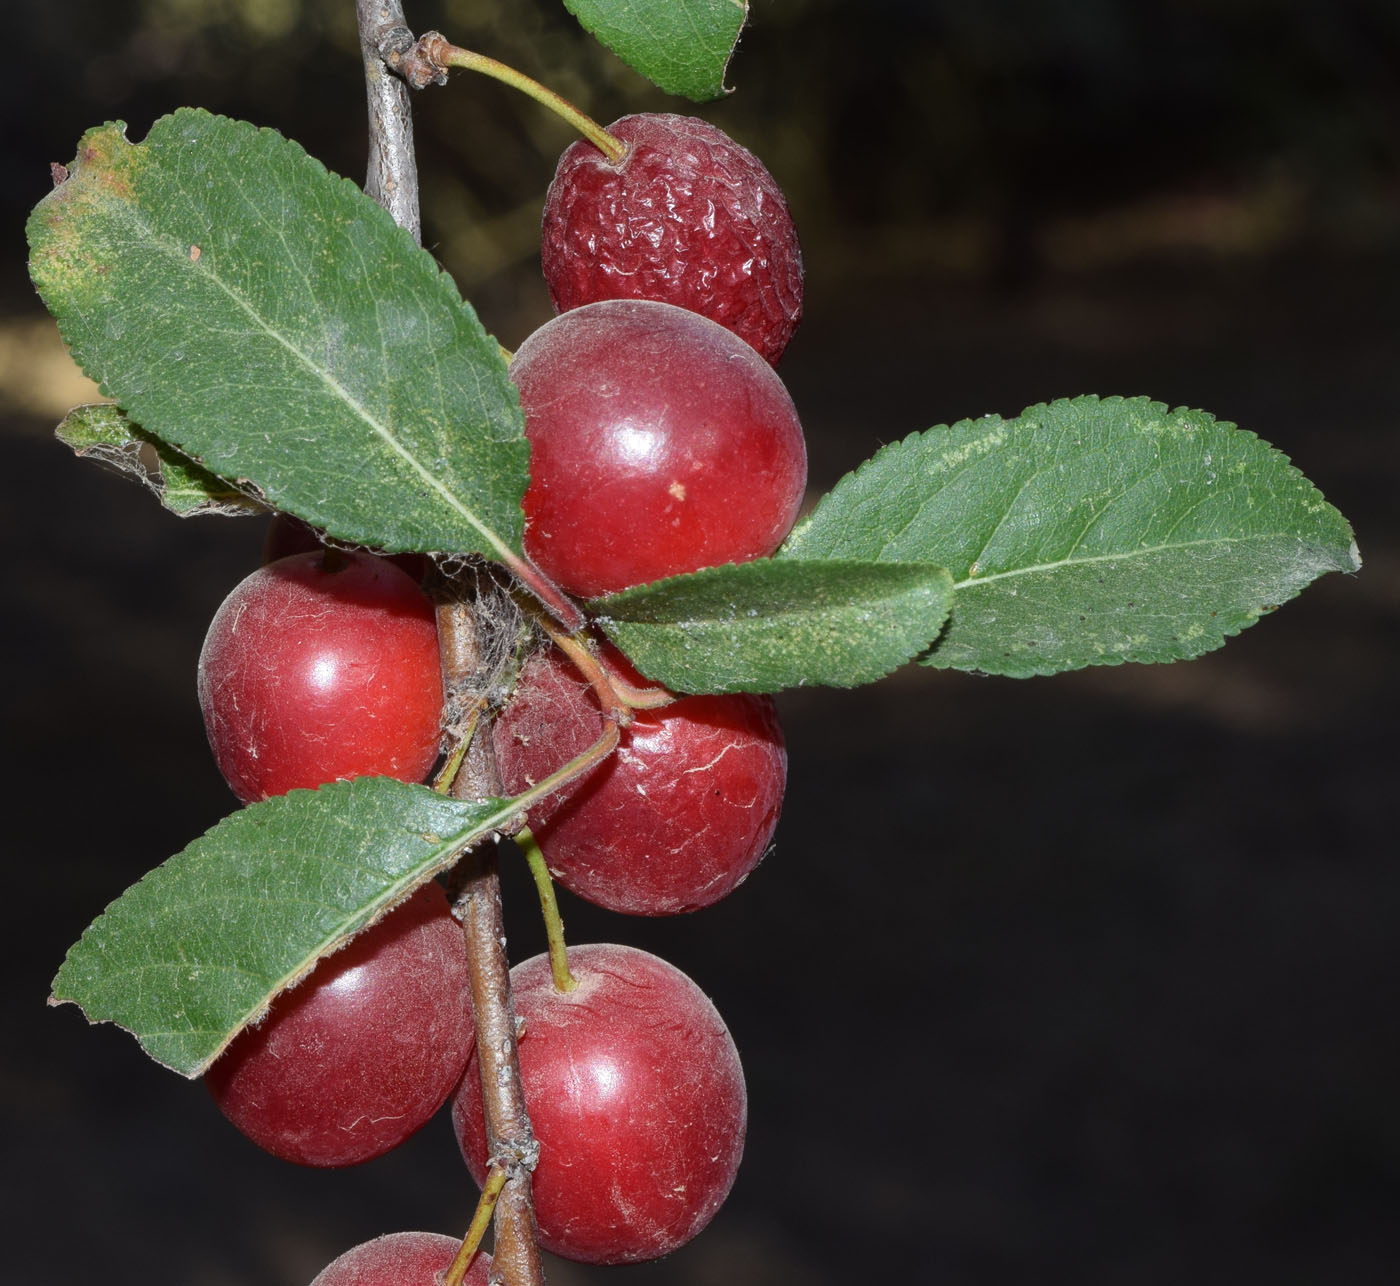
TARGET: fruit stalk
(549,905)
(481,1220)
(428,60)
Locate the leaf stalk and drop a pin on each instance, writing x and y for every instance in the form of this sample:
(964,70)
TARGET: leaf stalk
(617,697)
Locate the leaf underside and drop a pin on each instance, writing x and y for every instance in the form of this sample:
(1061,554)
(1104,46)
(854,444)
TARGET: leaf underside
(267,319)
(99,431)
(683,46)
(196,950)
(1087,531)
(768,625)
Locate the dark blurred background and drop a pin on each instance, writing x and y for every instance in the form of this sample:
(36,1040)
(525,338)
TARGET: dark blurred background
(1090,978)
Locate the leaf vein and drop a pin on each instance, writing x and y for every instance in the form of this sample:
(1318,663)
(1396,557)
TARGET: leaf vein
(975,582)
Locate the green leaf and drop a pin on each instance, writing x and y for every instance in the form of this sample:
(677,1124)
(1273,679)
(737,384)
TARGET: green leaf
(681,45)
(1087,532)
(766,625)
(269,320)
(194,952)
(99,431)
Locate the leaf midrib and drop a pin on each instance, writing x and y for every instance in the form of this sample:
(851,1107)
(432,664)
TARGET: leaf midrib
(167,246)
(441,855)
(1143,551)
(797,612)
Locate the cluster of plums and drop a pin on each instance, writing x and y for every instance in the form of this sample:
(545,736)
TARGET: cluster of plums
(662,441)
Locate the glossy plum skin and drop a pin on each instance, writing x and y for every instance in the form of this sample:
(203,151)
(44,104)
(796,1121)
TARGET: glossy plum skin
(675,819)
(660,444)
(401,1259)
(637,1097)
(688,217)
(317,667)
(356,1057)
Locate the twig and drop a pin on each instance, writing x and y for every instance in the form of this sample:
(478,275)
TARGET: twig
(392,180)
(392,177)
(516,1256)
(515,1259)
